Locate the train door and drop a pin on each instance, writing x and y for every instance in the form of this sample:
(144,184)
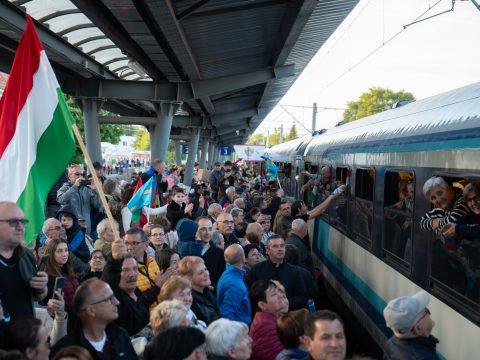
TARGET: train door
(297,179)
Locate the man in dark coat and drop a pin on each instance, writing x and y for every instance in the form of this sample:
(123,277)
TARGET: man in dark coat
(409,319)
(275,268)
(212,255)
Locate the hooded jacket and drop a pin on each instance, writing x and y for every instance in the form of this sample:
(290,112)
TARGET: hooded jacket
(187,246)
(75,235)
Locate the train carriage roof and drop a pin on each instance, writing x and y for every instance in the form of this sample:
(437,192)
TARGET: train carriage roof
(287,152)
(453,115)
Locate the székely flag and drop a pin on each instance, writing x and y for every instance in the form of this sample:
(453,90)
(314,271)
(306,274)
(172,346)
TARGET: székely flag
(36,138)
(143,197)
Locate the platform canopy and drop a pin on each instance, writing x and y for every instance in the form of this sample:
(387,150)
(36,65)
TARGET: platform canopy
(226,62)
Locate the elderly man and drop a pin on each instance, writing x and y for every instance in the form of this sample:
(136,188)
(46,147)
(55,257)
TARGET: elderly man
(225,225)
(297,234)
(213,211)
(105,236)
(229,197)
(275,268)
(238,215)
(232,294)
(81,194)
(211,254)
(325,336)
(409,319)
(97,308)
(121,274)
(20,283)
(157,169)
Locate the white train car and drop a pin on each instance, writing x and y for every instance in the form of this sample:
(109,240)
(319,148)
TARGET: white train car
(366,257)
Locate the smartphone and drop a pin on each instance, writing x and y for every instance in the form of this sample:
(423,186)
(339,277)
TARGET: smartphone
(59,283)
(41,264)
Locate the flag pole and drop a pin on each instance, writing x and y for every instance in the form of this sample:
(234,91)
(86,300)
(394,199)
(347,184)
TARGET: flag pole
(96,180)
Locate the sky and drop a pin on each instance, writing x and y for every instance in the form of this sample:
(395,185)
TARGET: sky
(427,58)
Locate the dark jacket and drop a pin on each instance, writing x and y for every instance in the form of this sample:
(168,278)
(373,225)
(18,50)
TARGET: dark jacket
(175,213)
(289,277)
(303,252)
(204,306)
(215,263)
(214,177)
(120,344)
(419,348)
(75,235)
(133,315)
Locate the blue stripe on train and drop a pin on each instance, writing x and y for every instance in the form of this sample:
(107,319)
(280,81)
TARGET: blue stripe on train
(365,297)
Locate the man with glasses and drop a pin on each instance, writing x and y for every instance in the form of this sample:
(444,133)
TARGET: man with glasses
(150,280)
(20,283)
(225,225)
(409,319)
(81,194)
(97,308)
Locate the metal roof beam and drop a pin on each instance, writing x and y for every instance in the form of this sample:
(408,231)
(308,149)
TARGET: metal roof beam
(182,91)
(178,121)
(14,16)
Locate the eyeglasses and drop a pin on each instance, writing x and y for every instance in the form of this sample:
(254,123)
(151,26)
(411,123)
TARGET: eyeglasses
(265,222)
(227,222)
(58,228)
(158,235)
(109,299)
(77,174)
(98,258)
(133,243)
(14,222)
(474,199)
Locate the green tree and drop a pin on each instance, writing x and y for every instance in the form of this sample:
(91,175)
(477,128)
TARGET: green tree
(256,139)
(274,139)
(292,134)
(375,100)
(108,133)
(142,139)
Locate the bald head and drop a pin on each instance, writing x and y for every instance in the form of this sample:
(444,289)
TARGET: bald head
(234,255)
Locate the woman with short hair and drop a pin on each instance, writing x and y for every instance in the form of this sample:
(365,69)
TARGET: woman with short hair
(204,305)
(227,339)
(291,333)
(167,314)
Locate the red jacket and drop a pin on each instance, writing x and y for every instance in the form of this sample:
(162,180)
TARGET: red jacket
(266,345)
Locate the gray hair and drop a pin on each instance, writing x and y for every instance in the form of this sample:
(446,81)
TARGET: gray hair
(230,190)
(229,208)
(214,208)
(223,335)
(239,202)
(46,225)
(434,181)
(216,237)
(298,224)
(102,227)
(167,314)
(236,211)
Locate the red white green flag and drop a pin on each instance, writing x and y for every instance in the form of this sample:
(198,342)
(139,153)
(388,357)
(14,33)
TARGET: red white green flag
(36,138)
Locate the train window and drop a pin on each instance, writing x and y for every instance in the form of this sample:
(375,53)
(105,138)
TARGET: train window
(338,208)
(313,190)
(454,222)
(364,193)
(399,194)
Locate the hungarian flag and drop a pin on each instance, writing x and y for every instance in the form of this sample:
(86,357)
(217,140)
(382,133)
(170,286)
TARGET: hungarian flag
(36,138)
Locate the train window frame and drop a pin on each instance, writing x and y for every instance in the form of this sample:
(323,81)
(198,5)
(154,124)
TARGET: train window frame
(362,239)
(389,256)
(340,226)
(308,166)
(461,303)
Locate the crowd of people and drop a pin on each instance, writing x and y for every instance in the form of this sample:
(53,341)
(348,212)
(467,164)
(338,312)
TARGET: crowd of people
(224,271)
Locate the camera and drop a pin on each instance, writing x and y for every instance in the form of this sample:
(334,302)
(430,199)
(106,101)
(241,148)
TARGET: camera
(85,183)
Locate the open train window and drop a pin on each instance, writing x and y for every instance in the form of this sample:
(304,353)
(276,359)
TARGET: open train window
(455,246)
(338,209)
(363,205)
(398,208)
(311,190)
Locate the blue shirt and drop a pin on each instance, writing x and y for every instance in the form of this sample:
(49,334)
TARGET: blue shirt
(232,295)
